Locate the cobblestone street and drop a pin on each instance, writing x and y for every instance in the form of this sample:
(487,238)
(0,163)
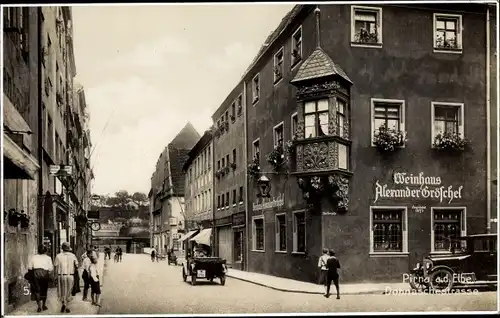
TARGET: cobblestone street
(139,286)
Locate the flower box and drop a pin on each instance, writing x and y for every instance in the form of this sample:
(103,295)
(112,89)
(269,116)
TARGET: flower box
(363,36)
(233,166)
(233,118)
(450,142)
(387,139)
(240,110)
(276,157)
(226,125)
(254,167)
(13,217)
(24,219)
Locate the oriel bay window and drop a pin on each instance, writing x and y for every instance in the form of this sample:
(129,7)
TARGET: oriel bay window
(448,224)
(388,230)
(316,118)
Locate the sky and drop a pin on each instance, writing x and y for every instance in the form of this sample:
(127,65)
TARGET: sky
(148,70)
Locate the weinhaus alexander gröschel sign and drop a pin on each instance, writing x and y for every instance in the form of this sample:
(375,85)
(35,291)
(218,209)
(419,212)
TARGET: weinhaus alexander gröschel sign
(410,186)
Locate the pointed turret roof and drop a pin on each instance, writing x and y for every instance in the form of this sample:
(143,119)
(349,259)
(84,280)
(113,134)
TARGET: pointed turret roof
(318,65)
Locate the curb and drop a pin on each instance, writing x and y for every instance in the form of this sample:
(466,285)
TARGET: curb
(373,292)
(104,271)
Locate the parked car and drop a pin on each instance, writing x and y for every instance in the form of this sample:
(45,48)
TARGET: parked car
(472,261)
(205,268)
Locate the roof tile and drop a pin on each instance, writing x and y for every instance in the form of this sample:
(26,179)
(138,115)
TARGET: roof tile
(318,65)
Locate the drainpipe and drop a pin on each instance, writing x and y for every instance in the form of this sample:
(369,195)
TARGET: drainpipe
(40,130)
(247,204)
(488,125)
(212,155)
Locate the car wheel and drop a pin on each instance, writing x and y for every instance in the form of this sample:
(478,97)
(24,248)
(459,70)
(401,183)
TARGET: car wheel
(441,280)
(223,280)
(418,284)
(184,276)
(193,279)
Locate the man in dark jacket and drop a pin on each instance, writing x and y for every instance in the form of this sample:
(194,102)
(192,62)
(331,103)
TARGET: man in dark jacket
(332,264)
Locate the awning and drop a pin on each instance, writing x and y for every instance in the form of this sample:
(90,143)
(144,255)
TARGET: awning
(203,237)
(187,235)
(20,159)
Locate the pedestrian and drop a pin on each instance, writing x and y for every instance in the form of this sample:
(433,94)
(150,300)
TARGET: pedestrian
(65,264)
(107,252)
(120,254)
(95,283)
(96,249)
(42,267)
(85,274)
(333,266)
(153,254)
(157,254)
(322,267)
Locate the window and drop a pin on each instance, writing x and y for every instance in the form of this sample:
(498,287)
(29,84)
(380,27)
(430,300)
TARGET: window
(447,118)
(280,233)
(227,199)
(241,195)
(258,233)
(366,26)
(387,113)
(233,111)
(234,156)
(227,160)
(209,158)
(341,117)
(223,163)
(226,116)
(218,164)
(256,149)
(448,224)
(299,232)
(278,66)
(388,230)
(447,32)
(296,47)
(234,196)
(343,156)
(256,88)
(218,202)
(294,122)
(239,104)
(278,135)
(316,118)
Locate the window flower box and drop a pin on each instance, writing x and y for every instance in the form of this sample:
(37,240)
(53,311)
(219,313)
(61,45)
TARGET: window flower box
(442,43)
(226,125)
(13,218)
(225,170)
(290,148)
(363,36)
(276,157)
(450,142)
(387,139)
(218,174)
(240,110)
(24,219)
(254,167)
(233,118)
(222,128)
(233,165)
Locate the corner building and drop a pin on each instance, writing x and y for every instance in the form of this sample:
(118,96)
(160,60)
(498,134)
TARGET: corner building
(326,94)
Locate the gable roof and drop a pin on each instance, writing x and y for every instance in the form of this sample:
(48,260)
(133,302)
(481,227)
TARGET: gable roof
(177,157)
(186,138)
(318,65)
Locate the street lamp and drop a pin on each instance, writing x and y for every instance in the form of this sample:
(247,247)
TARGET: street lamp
(264,186)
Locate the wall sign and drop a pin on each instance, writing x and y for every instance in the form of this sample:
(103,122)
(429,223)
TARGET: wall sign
(270,203)
(239,219)
(408,185)
(223,221)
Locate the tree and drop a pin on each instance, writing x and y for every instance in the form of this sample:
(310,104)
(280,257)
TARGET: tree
(121,198)
(140,198)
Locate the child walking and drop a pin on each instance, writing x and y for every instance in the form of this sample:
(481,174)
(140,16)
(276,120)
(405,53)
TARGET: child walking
(95,284)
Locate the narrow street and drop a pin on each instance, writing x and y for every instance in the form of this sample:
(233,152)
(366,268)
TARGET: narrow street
(139,286)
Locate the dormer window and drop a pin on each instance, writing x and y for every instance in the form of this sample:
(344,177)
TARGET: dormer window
(316,118)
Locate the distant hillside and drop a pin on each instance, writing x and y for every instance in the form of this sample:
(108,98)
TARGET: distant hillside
(123,214)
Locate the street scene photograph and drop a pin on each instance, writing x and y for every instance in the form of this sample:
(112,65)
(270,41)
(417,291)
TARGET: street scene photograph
(250,158)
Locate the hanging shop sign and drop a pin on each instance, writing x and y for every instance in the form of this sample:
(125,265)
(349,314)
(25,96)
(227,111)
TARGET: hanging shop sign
(410,186)
(269,203)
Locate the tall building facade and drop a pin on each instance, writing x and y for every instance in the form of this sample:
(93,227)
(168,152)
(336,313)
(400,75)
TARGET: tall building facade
(167,191)
(45,203)
(369,133)
(230,179)
(198,173)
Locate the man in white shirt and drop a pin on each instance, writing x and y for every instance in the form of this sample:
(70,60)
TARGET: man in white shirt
(65,265)
(323,275)
(41,265)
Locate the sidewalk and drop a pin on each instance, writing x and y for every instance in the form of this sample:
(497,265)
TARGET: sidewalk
(295,286)
(77,306)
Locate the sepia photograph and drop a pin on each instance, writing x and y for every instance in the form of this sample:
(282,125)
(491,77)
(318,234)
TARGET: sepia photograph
(250,158)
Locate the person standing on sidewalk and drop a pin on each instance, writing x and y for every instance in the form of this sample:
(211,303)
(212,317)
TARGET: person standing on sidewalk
(65,264)
(120,253)
(323,270)
(333,265)
(85,274)
(153,254)
(42,267)
(95,283)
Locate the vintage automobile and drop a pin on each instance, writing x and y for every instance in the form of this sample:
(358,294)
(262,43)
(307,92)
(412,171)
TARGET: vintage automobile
(471,261)
(204,268)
